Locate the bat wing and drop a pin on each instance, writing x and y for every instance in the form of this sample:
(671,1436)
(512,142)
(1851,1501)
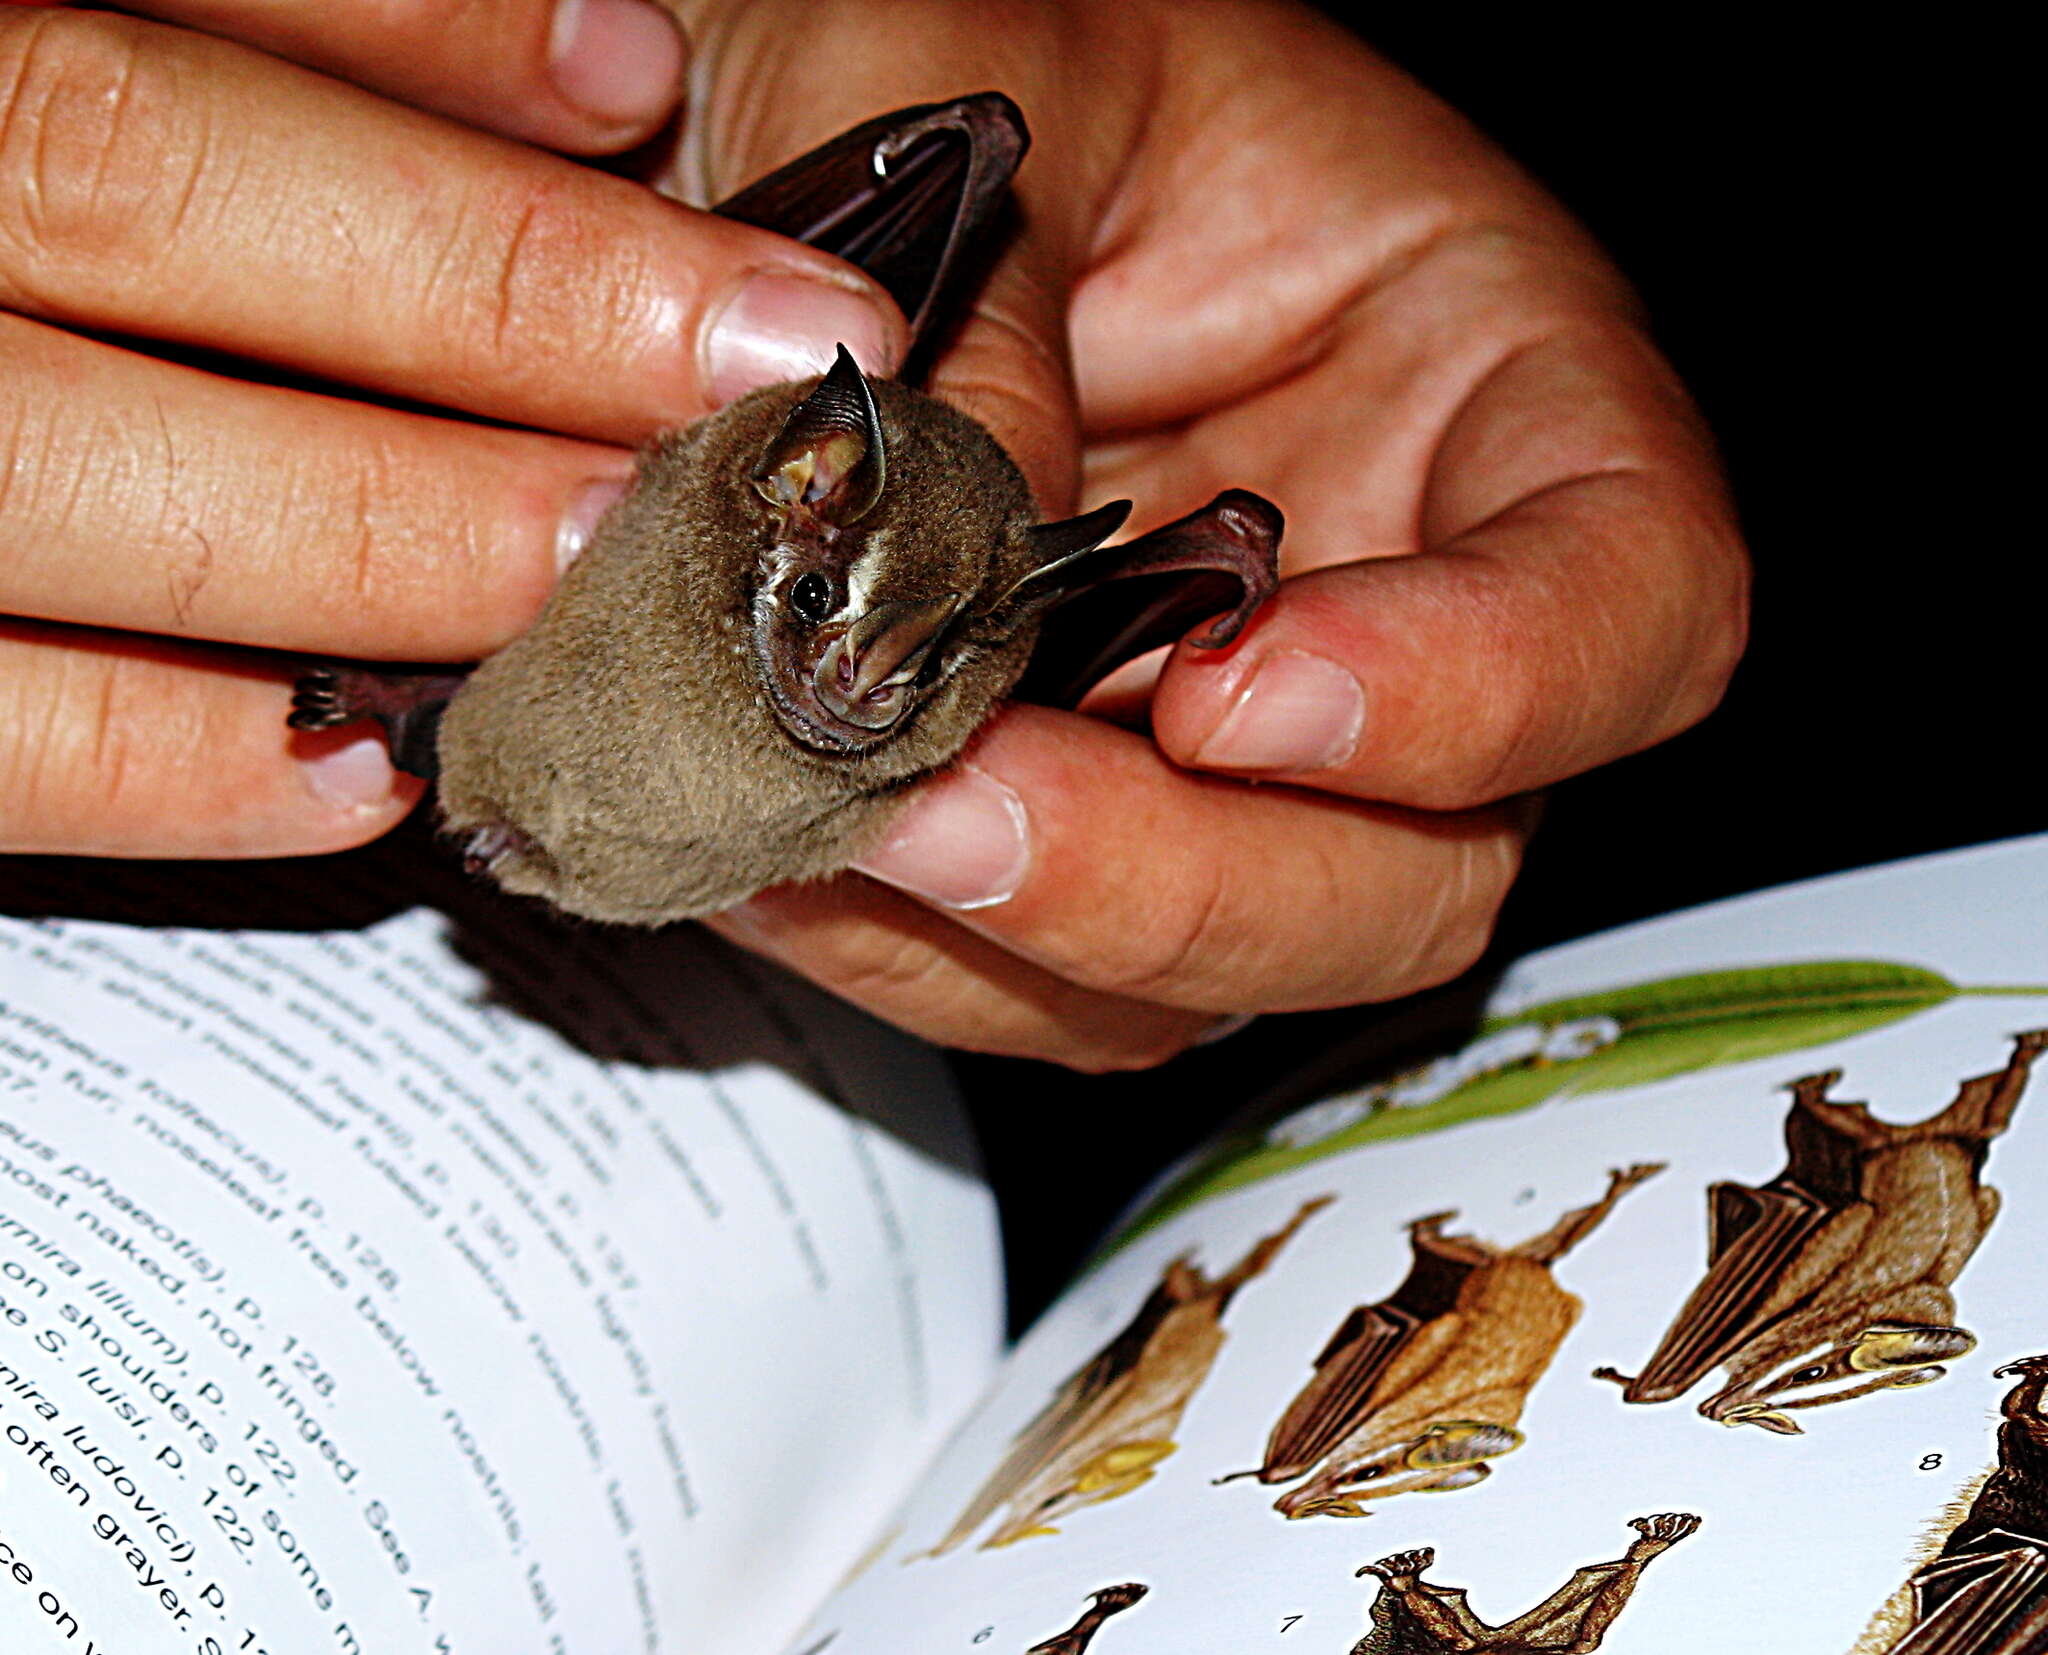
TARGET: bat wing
(1753,1234)
(912,197)
(1117,602)
(1988,1601)
(1345,1387)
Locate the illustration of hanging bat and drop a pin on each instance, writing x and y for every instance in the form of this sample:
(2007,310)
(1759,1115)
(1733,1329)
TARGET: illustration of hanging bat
(1833,1280)
(1113,1420)
(1985,1591)
(1421,1390)
(1111,1600)
(1410,1616)
(807,601)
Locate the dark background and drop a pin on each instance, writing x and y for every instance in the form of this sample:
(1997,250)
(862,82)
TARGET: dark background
(1825,223)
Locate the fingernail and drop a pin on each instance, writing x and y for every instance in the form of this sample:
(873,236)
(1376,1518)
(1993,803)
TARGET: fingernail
(1298,713)
(579,522)
(964,841)
(619,61)
(1224,1027)
(780,328)
(357,775)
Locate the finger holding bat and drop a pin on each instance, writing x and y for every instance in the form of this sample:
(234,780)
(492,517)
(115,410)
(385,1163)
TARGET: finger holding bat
(157,185)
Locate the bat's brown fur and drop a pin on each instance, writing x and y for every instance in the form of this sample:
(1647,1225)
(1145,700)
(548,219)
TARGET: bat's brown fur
(1872,1223)
(625,743)
(1114,1419)
(1451,1359)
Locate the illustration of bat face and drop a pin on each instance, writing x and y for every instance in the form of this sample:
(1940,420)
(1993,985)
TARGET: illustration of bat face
(1832,1281)
(1412,1616)
(1985,1590)
(1421,1390)
(1111,1600)
(1113,1421)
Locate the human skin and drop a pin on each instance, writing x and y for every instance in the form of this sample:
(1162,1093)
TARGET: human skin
(1252,254)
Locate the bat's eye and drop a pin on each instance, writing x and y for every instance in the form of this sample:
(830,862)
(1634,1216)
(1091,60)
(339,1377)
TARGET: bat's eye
(811,598)
(1809,1376)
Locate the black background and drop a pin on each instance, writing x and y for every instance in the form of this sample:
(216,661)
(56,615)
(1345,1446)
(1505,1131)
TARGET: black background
(1826,223)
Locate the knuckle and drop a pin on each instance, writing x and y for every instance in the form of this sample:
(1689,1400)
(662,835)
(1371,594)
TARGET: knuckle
(530,283)
(101,147)
(1187,939)
(1450,930)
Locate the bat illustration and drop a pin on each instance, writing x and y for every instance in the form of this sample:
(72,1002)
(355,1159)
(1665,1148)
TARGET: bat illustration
(1985,1591)
(807,601)
(1410,1616)
(1111,1600)
(1832,1281)
(1419,1391)
(1113,1420)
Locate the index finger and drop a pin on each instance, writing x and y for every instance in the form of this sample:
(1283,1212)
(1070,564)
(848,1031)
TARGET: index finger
(166,185)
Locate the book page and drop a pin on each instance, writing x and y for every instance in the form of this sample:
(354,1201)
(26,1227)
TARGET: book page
(459,1284)
(1624,1327)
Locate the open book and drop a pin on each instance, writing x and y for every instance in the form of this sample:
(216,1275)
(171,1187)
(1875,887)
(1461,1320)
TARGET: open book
(451,1281)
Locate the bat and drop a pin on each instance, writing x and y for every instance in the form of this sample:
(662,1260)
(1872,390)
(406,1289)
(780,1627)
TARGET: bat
(1111,1600)
(806,602)
(1985,1591)
(1411,1616)
(1421,1390)
(1833,1280)
(1106,1430)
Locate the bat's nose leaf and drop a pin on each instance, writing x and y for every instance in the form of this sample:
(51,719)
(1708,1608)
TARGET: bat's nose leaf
(865,675)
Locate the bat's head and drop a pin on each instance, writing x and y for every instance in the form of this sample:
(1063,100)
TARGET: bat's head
(899,563)
(1108,1474)
(1879,1357)
(1449,1454)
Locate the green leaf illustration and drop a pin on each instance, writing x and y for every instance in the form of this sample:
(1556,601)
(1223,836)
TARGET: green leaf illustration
(1654,1030)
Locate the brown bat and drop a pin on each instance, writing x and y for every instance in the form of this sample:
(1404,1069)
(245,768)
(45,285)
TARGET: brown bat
(1111,1600)
(1985,1591)
(807,601)
(1413,1617)
(1419,1391)
(1113,1420)
(1832,1281)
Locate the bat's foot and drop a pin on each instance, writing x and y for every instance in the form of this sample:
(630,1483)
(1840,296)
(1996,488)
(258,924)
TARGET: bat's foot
(331,694)
(485,847)
(328,696)
(1116,1599)
(1661,1532)
(1402,1565)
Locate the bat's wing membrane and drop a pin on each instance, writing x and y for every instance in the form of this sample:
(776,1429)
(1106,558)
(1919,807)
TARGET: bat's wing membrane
(1117,602)
(911,197)
(1348,1371)
(1990,1600)
(1754,1235)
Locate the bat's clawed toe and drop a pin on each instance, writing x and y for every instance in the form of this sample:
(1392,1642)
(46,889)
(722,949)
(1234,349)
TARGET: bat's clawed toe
(321,700)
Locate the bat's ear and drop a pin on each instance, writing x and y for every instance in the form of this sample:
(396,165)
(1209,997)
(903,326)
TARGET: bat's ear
(828,457)
(1897,1345)
(1056,549)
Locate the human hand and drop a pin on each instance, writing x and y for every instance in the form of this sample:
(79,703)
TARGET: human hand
(1267,260)
(158,518)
